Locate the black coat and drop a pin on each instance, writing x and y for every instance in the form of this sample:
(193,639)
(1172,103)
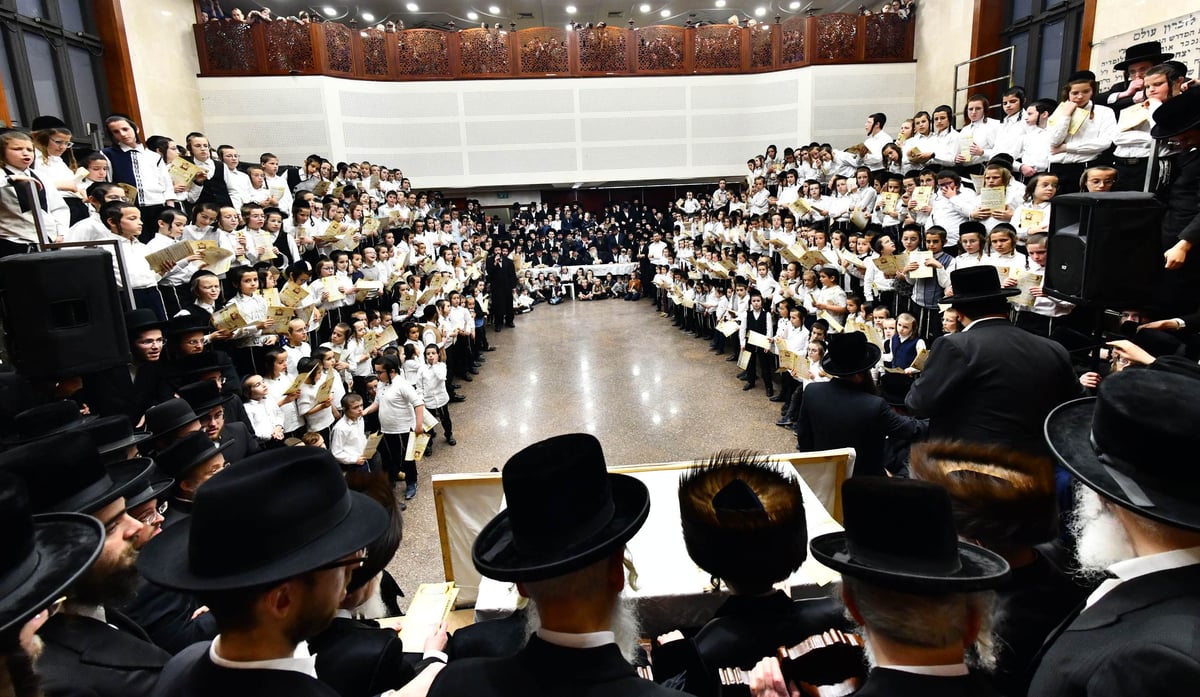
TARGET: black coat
(1141,638)
(883,682)
(244,442)
(360,659)
(84,656)
(193,674)
(1182,200)
(166,616)
(994,383)
(491,638)
(836,414)
(546,670)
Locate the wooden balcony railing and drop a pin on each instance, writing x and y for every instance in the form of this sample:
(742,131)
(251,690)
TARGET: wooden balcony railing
(228,48)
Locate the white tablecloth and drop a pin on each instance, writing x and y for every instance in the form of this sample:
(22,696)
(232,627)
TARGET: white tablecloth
(599,270)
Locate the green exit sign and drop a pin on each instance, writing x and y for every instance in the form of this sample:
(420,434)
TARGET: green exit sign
(502,194)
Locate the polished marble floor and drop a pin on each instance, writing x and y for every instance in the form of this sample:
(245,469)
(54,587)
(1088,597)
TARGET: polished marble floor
(648,391)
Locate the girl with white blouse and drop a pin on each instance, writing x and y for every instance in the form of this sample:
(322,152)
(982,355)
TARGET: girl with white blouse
(433,388)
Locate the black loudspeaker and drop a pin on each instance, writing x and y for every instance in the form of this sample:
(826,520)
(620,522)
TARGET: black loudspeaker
(1104,249)
(62,314)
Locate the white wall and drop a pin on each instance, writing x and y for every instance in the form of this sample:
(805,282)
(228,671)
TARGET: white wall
(508,133)
(162,53)
(943,38)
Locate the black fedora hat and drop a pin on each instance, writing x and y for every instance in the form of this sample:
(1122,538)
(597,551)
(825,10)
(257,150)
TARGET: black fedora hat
(1139,53)
(169,416)
(1081,76)
(195,364)
(743,519)
(849,353)
(65,474)
(565,511)
(304,516)
(1132,443)
(149,486)
(194,449)
(40,555)
(203,396)
(141,319)
(1177,115)
(900,535)
(42,123)
(113,433)
(45,420)
(977,284)
(185,324)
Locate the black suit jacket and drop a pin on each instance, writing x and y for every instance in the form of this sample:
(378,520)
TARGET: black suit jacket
(244,442)
(193,674)
(994,383)
(166,615)
(1141,638)
(836,414)
(84,656)
(884,682)
(358,659)
(544,669)
(499,637)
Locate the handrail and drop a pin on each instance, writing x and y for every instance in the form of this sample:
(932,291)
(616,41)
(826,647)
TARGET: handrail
(227,48)
(1010,50)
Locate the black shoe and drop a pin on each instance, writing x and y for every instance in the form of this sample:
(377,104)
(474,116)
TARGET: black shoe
(783,423)
(479,360)
(743,375)
(497,328)
(450,440)
(455,386)
(776,398)
(490,348)
(473,371)
(510,325)
(458,398)
(732,358)
(403,506)
(468,378)
(747,387)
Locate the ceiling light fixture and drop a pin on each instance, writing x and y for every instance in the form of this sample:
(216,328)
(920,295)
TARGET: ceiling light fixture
(492,9)
(411,7)
(644,8)
(664,14)
(794,5)
(472,15)
(368,17)
(570,9)
(329,11)
(720,3)
(760,11)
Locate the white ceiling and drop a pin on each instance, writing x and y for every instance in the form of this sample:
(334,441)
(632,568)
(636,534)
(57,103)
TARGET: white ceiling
(538,13)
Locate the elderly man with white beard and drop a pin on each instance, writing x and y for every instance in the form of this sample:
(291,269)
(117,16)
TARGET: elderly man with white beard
(922,596)
(561,540)
(1133,450)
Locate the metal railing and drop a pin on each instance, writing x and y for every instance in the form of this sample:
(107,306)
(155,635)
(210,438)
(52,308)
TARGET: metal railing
(1007,77)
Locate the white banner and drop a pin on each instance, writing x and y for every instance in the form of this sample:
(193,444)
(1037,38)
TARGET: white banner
(1180,36)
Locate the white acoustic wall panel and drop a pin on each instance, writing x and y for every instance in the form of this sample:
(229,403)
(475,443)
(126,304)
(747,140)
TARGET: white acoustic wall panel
(505,133)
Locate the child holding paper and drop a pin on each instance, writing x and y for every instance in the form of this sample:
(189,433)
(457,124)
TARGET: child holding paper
(348,438)
(1033,216)
(318,416)
(432,378)
(278,380)
(266,418)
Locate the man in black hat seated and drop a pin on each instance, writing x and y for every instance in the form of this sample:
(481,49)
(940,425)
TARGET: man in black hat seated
(210,405)
(168,422)
(743,523)
(90,647)
(847,411)
(991,382)
(919,593)
(562,541)
(1137,523)
(1139,58)
(40,557)
(1005,502)
(271,585)
(171,619)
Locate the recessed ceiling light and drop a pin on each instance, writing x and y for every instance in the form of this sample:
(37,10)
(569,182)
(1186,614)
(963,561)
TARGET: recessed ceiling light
(494,10)
(472,15)
(570,9)
(720,3)
(760,11)
(664,13)
(411,7)
(644,9)
(368,17)
(329,11)
(794,5)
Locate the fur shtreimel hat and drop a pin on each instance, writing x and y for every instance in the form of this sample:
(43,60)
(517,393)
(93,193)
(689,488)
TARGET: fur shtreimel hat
(743,519)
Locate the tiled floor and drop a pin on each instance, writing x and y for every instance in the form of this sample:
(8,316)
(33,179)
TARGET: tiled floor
(648,391)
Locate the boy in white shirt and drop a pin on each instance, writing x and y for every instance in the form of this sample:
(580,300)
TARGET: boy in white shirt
(348,437)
